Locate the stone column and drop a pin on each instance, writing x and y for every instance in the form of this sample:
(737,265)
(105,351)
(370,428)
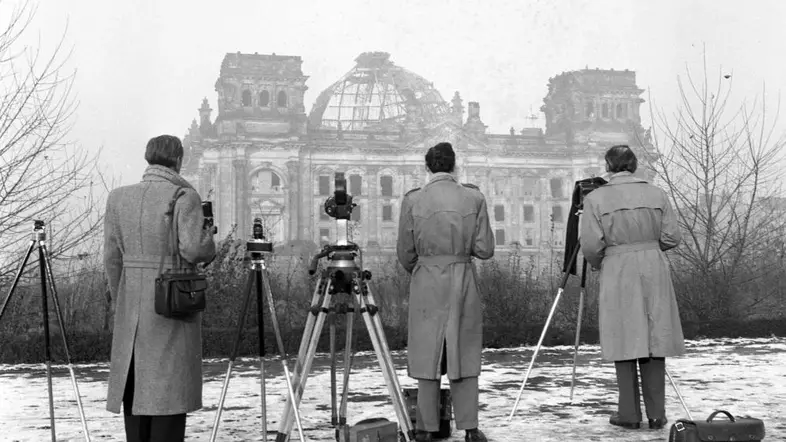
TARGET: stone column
(240,171)
(373,231)
(295,202)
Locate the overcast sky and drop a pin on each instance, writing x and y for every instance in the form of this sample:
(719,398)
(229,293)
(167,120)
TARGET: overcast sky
(143,66)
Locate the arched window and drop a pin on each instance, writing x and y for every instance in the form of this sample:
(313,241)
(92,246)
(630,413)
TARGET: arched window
(246,98)
(355,185)
(264,98)
(590,110)
(266,181)
(605,110)
(282,99)
(386,185)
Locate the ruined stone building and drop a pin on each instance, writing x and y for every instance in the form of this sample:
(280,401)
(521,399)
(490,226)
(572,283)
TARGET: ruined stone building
(263,156)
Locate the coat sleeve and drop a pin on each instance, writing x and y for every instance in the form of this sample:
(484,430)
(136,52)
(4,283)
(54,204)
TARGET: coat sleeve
(195,241)
(113,254)
(670,234)
(405,246)
(591,235)
(483,244)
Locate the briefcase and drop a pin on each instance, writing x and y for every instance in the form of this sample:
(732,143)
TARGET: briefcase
(445,411)
(371,430)
(734,429)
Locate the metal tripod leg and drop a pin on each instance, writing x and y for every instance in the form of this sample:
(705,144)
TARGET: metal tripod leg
(387,371)
(59,313)
(282,351)
(319,291)
(397,394)
(17,277)
(543,333)
(285,426)
(235,348)
(679,395)
(349,355)
(578,325)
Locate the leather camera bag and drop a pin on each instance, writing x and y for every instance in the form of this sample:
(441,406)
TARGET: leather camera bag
(734,429)
(179,292)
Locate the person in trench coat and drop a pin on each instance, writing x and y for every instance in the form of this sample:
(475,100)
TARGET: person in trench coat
(625,227)
(156,362)
(441,227)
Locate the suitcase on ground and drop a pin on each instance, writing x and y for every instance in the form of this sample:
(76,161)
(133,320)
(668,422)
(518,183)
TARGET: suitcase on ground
(721,430)
(372,430)
(445,411)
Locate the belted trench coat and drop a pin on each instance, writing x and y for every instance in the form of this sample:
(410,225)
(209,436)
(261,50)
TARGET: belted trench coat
(167,352)
(441,227)
(625,228)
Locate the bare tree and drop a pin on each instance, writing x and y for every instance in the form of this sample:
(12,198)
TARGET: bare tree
(43,175)
(719,163)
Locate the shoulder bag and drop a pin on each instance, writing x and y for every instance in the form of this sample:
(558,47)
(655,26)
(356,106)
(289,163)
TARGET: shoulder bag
(179,292)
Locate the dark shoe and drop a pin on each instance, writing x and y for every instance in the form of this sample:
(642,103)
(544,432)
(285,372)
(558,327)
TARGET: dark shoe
(657,424)
(475,435)
(615,420)
(423,436)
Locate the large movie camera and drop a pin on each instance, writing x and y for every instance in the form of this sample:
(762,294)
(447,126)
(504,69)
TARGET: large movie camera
(339,206)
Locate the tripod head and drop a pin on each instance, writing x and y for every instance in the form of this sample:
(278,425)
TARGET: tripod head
(257,246)
(39,233)
(341,254)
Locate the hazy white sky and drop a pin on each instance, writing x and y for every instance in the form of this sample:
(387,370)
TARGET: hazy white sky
(143,66)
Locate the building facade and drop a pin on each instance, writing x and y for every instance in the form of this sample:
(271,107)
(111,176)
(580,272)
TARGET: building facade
(263,156)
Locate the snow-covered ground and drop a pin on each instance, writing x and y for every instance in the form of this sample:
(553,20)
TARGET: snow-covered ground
(743,376)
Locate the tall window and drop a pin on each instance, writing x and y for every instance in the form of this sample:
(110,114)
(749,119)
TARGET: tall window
(499,213)
(246,98)
(264,98)
(499,186)
(499,237)
(622,111)
(590,110)
(556,214)
(355,216)
(529,186)
(324,235)
(282,99)
(387,212)
(529,213)
(324,185)
(386,183)
(605,110)
(556,187)
(355,184)
(529,237)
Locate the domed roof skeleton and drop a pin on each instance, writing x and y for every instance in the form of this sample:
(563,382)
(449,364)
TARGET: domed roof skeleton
(377,93)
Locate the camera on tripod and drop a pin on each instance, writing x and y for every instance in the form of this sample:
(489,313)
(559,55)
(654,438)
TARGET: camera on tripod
(340,205)
(257,244)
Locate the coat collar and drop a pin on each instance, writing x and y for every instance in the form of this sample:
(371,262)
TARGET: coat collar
(625,178)
(160,173)
(442,176)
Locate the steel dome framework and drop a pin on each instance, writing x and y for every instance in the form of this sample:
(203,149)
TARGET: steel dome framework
(377,94)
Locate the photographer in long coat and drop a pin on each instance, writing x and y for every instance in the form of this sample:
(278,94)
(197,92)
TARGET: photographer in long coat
(625,227)
(156,362)
(441,227)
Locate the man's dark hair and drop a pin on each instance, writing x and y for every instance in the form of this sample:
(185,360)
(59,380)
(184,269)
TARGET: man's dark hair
(621,158)
(441,158)
(164,150)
